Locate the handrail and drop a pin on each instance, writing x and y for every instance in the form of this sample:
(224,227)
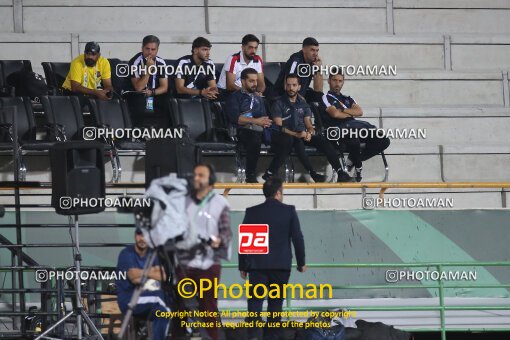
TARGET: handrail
(227,187)
(442,308)
(369,185)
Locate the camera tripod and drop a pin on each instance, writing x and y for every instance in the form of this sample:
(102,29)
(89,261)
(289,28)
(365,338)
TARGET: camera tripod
(78,311)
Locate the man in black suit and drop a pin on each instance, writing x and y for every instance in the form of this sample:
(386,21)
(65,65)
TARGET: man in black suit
(274,267)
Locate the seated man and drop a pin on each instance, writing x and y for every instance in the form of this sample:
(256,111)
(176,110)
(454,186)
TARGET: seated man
(195,76)
(149,78)
(293,115)
(308,56)
(132,260)
(89,75)
(247,112)
(341,112)
(230,78)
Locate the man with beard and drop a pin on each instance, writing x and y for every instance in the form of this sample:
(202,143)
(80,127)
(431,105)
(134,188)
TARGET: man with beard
(341,111)
(300,63)
(246,111)
(293,115)
(230,78)
(210,215)
(194,76)
(132,260)
(149,78)
(89,75)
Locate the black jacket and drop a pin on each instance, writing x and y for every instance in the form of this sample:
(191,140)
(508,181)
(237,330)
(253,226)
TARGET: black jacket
(242,102)
(283,227)
(292,67)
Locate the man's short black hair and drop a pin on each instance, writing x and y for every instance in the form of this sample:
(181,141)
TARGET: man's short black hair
(310,42)
(272,186)
(150,39)
(248,38)
(247,71)
(200,42)
(291,75)
(331,75)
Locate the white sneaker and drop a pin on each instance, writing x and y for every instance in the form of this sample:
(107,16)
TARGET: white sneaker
(349,164)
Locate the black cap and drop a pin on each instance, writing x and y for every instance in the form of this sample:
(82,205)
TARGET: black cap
(138,231)
(92,47)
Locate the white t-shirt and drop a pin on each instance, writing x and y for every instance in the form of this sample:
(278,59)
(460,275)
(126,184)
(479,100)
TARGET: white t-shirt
(236,64)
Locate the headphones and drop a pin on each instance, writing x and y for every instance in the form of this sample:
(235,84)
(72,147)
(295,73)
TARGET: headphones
(212,172)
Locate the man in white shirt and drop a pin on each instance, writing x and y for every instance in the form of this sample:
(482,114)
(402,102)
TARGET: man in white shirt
(230,78)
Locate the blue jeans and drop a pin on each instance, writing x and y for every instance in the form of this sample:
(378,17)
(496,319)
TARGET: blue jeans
(147,307)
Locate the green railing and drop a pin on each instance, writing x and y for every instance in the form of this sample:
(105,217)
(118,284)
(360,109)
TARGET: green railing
(440,286)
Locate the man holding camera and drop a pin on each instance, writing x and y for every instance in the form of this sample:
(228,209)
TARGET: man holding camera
(89,75)
(132,260)
(210,215)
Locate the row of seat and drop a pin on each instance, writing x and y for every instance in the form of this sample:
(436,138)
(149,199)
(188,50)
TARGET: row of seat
(56,72)
(64,121)
(205,124)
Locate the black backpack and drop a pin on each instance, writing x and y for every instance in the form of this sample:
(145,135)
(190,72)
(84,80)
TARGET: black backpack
(380,331)
(29,84)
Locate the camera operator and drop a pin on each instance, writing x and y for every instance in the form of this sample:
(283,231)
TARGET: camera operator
(132,260)
(210,214)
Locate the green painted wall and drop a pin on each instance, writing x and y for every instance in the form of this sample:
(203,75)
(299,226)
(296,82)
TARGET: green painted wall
(359,236)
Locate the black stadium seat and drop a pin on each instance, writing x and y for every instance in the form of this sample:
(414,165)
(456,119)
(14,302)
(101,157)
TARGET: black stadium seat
(271,71)
(55,74)
(26,129)
(114,114)
(8,67)
(195,115)
(64,116)
(217,70)
(318,110)
(172,92)
(119,82)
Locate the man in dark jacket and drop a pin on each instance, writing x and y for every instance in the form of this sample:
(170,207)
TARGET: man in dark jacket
(293,117)
(273,267)
(247,112)
(303,63)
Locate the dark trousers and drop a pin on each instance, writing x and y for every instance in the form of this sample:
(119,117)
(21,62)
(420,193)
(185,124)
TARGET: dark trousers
(140,117)
(283,144)
(81,97)
(266,278)
(313,96)
(251,141)
(373,146)
(208,302)
(148,310)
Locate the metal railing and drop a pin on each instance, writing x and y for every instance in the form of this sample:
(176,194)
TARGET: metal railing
(19,263)
(383,186)
(440,286)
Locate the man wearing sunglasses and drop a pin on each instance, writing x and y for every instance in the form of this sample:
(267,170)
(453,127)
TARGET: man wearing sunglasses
(89,75)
